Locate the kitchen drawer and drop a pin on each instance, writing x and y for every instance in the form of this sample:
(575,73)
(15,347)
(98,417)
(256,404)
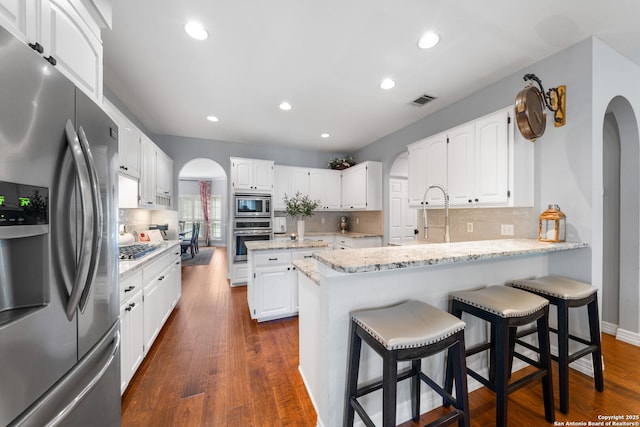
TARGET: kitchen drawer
(272,258)
(130,285)
(329,238)
(151,271)
(302,255)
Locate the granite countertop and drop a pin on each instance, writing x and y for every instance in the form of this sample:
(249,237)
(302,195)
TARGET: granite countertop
(334,233)
(270,245)
(396,257)
(126,266)
(308,267)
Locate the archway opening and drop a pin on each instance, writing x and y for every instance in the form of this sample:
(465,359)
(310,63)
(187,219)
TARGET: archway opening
(621,216)
(202,197)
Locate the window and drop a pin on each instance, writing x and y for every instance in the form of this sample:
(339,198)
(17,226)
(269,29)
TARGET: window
(190,210)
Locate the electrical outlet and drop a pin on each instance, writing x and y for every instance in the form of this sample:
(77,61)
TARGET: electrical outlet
(357,220)
(322,220)
(469,227)
(506,229)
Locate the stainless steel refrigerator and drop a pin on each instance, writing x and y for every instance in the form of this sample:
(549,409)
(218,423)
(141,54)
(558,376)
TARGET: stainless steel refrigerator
(59,327)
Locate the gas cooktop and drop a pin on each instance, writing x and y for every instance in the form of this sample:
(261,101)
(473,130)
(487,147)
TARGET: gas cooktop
(136,251)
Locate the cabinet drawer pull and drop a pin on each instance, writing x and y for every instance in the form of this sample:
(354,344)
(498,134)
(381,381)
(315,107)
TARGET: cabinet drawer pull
(273,259)
(161,278)
(308,256)
(177,262)
(130,306)
(130,288)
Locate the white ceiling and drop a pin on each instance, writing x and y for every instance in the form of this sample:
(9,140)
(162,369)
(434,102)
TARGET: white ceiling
(327,58)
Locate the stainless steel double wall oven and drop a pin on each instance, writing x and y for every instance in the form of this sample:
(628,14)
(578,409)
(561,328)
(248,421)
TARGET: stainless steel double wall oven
(253,221)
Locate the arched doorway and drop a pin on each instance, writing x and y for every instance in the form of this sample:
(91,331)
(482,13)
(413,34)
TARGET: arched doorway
(621,217)
(192,177)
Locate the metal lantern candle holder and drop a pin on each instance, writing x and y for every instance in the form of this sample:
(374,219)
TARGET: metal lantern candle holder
(553,225)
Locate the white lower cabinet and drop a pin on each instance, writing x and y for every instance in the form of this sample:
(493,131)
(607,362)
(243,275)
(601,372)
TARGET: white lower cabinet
(272,288)
(132,338)
(147,297)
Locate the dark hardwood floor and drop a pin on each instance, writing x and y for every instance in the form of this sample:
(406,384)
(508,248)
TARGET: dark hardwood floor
(213,366)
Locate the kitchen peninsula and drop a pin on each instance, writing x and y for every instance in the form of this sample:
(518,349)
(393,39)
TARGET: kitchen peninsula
(335,283)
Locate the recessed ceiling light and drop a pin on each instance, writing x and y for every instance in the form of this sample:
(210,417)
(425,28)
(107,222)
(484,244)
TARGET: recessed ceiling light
(285,106)
(213,119)
(324,135)
(387,84)
(428,40)
(196,30)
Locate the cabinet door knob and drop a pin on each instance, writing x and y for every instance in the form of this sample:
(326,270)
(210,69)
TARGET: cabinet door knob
(477,200)
(130,288)
(470,200)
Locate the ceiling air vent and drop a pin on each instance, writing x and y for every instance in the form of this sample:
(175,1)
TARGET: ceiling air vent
(422,100)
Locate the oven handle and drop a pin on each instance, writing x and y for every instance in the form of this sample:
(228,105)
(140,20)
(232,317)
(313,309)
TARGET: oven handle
(251,232)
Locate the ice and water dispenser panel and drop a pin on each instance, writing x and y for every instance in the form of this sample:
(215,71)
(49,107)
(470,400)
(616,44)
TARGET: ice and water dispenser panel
(24,264)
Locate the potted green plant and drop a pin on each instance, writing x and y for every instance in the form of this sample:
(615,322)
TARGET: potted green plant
(300,207)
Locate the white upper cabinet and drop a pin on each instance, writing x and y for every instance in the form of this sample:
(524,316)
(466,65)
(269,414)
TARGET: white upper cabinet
(128,142)
(76,47)
(461,164)
(65,33)
(325,186)
(322,185)
(147,183)
(164,178)
(362,187)
(427,166)
(251,175)
(491,183)
(480,163)
(281,185)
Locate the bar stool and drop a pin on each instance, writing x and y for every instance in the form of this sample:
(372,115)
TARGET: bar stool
(408,331)
(565,293)
(506,309)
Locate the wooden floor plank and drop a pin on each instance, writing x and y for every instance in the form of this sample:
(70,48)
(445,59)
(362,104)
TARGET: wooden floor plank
(212,365)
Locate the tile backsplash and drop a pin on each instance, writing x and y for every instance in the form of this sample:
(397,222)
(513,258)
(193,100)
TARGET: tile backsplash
(486,223)
(359,221)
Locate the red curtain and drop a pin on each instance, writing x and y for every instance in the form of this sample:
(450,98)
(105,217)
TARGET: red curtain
(205,199)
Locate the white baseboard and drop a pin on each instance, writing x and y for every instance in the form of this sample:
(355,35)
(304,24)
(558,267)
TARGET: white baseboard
(629,337)
(609,328)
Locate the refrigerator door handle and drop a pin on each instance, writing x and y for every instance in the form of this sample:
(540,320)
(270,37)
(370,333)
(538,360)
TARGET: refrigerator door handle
(98,219)
(87,229)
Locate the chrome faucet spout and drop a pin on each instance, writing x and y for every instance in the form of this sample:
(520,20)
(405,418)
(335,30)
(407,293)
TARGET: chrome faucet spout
(447,237)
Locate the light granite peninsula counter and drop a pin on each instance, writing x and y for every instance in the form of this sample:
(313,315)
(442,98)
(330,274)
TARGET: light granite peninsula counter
(351,279)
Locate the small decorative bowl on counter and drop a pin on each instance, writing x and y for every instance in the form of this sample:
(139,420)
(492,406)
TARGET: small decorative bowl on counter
(293,236)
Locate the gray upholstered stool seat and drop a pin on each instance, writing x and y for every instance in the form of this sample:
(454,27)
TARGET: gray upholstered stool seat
(566,293)
(506,309)
(408,325)
(556,286)
(409,331)
(502,301)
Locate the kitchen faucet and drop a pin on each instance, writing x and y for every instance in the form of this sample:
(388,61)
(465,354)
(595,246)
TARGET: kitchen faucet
(447,238)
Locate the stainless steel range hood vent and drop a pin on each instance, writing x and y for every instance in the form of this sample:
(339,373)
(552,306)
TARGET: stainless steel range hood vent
(422,100)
